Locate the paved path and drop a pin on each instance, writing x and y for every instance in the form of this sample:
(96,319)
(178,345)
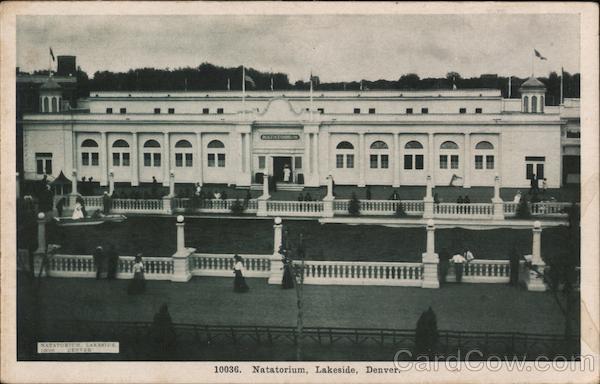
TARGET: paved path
(468,307)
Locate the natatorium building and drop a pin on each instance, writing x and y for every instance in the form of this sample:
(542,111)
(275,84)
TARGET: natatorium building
(394,138)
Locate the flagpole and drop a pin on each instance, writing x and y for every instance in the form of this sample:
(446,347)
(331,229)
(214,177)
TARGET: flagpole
(243,89)
(562,76)
(509,78)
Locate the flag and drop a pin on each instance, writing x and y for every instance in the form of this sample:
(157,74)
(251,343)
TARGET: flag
(249,80)
(537,54)
(228,84)
(271,83)
(52,54)
(361,87)
(509,87)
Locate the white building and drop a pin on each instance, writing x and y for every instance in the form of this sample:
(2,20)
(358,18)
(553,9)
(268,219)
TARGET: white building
(392,138)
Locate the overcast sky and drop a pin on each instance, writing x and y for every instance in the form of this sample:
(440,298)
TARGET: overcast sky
(337,48)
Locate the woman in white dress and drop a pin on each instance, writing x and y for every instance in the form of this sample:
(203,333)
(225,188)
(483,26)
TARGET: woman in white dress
(138,284)
(287,173)
(78,212)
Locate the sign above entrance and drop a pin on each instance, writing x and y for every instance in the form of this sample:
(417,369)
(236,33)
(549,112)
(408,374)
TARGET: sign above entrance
(280,137)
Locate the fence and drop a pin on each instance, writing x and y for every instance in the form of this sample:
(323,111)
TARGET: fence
(362,273)
(202,264)
(541,209)
(483,271)
(155,268)
(198,341)
(137,205)
(482,210)
(213,205)
(381,207)
(295,208)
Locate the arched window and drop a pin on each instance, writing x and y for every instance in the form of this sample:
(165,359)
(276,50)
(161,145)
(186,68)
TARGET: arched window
(534,104)
(183,151)
(413,155)
(120,156)
(344,156)
(449,151)
(525,104)
(484,155)
(89,153)
(413,145)
(216,154)
(54,104)
(379,155)
(152,155)
(46,105)
(484,145)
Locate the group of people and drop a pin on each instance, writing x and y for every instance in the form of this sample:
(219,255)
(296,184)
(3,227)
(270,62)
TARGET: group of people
(106,262)
(535,185)
(306,197)
(458,261)
(86,186)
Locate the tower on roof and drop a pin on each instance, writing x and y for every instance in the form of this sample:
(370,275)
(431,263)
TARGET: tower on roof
(533,94)
(50,96)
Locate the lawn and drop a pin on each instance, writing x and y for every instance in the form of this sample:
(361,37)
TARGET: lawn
(155,236)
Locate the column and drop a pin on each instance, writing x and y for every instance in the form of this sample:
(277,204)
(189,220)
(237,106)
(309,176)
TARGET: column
(199,158)
(103,159)
(240,140)
(428,199)
(181,263)
(248,155)
(498,159)
(315,167)
(242,176)
(135,173)
(536,281)
(497,201)
(276,274)
(361,159)
(396,160)
(111,182)
(430,259)
(326,138)
(166,158)
(467,162)
(307,159)
(431,161)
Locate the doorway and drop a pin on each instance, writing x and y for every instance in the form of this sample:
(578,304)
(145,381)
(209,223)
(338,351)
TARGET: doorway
(279,162)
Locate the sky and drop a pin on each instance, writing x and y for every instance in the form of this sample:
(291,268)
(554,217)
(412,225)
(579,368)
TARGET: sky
(334,47)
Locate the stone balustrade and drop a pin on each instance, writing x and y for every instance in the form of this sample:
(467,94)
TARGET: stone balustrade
(541,209)
(203,264)
(381,207)
(443,210)
(483,271)
(362,273)
(212,205)
(137,206)
(155,268)
(295,208)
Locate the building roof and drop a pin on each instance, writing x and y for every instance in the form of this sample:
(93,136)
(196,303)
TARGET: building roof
(50,84)
(61,179)
(532,82)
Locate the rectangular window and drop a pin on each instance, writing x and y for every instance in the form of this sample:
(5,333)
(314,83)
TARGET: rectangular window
(371,110)
(529,171)
(261,162)
(211,160)
(478,110)
(409,111)
(40,167)
(462,110)
(123,110)
(205,111)
(454,161)
(373,161)
(385,161)
(339,161)
(489,162)
(109,110)
(43,163)
(48,166)
(408,160)
(116,159)
(321,110)
(156,159)
(349,161)
(424,110)
(171,111)
(221,160)
(95,158)
(219,111)
(539,171)
(443,161)
(147,159)
(298,162)
(419,162)
(156,111)
(478,162)
(179,160)
(189,160)
(356,110)
(85,158)
(126,159)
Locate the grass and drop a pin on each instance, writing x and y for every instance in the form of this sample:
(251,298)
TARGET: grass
(156,236)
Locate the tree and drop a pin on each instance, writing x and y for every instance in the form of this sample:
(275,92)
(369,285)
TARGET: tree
(354,205)
(523,211)
(409,81)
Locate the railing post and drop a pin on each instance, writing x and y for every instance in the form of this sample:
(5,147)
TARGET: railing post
(498,204)
(276,273)
(172,183)
(430,259)
(111,182)
(181,261)
(262,200)
(40,252)
(428,200)
(536,280)
(73,195)
(328,199)
(167,205)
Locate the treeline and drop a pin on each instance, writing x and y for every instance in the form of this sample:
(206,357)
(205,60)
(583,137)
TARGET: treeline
(208,77)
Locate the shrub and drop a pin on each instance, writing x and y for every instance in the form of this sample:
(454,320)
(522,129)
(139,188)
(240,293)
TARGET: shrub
(354,205)
(400,212)
(523,211)
(426,335)
(237,208)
